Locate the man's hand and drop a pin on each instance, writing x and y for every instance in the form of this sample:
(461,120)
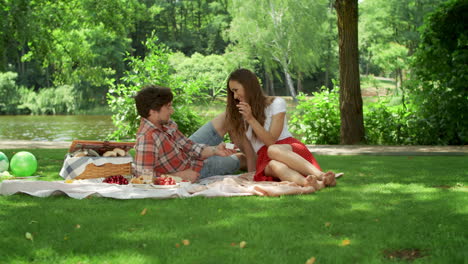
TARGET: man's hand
(222,151)
(188,175)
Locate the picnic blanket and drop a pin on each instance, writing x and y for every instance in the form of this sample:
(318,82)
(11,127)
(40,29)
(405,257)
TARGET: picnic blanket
(230,185)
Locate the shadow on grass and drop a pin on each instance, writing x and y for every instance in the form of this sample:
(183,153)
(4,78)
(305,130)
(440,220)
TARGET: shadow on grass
(382,204)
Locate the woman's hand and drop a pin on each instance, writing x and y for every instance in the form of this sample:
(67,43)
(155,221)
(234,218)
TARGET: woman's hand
(245,110)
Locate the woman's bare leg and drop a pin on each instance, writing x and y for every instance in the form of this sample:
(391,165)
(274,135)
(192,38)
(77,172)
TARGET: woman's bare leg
(284,154)
(283,172)
(218,124)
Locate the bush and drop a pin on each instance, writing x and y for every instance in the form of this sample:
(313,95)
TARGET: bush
(153,69)
(317,119)
(10,96)
(385,124)
(441,76)
(59,100)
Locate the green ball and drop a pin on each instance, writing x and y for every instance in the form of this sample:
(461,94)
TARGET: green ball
(4,163)
(23,164)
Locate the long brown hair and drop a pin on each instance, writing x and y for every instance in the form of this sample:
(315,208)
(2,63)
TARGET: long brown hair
(253,95)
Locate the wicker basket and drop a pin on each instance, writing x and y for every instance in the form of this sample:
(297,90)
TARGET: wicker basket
(108,169)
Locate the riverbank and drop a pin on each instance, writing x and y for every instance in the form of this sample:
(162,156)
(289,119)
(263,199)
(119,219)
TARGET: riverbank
(316,149)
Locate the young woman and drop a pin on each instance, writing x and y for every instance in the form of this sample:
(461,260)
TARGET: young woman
(262,120)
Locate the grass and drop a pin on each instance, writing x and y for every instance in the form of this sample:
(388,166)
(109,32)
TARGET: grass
(386,209)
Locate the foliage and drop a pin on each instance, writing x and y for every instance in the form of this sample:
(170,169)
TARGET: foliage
(210,71)
(390,21)
(59,100)
(385,125)
(192,26)
(154,68)
(10,96)
(441,76)
(284,35)
(317,119)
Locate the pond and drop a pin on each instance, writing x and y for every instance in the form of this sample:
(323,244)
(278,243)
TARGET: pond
(55,128)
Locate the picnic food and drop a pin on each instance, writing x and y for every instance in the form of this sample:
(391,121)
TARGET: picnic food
(164,181)
(141,180)
(120,152)
(230,146)
(85,153)
(136,180)
(117,179)
(109,154)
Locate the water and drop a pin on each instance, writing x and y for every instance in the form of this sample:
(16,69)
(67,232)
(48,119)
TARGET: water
(55,128)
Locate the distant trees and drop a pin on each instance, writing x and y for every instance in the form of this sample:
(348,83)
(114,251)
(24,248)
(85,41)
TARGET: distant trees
(282,35)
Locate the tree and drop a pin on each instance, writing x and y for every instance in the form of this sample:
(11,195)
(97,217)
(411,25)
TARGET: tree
(441,74)
(385,21)
(352,122)
(283,35)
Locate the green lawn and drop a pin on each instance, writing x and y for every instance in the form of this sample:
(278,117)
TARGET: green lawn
(384,210)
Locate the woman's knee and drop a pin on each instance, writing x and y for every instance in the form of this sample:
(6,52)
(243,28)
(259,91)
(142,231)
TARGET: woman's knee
(274,151)
(276,166)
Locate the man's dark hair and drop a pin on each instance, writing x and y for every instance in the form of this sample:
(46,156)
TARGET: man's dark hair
(152,97)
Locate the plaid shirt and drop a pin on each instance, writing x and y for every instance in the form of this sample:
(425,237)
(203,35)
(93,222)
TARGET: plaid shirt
(165,150)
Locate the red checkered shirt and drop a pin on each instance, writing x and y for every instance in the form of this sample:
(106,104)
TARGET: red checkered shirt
(165,150)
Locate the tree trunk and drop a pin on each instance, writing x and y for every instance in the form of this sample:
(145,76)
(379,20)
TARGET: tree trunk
(352,122)
(300,88)
(289,83)
(271,80)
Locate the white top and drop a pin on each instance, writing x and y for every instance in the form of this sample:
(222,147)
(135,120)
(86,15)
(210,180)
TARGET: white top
(277,106)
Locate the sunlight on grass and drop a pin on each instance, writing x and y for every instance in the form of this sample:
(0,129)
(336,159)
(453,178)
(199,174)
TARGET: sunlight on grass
(381,203)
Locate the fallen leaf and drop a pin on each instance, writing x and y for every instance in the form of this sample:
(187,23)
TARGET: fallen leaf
(233,244)
(177,245)
(68,181)
(186,242)
(143,212)
(345,242)
(310,261)
(327,224)
(242,244)
(28,236)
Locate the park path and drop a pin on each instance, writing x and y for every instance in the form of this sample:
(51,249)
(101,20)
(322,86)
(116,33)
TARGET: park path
(316,149)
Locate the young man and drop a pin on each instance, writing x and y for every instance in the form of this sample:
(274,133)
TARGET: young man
(162,149)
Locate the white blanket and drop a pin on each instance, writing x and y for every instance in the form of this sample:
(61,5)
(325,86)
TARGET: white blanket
(231,185)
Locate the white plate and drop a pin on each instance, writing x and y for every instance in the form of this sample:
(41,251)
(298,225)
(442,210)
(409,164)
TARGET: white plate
(154,186)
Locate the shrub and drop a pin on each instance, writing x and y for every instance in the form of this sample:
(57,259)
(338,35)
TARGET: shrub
(440,75)
(154,68)
(59,100)
(317,119)
(10,96)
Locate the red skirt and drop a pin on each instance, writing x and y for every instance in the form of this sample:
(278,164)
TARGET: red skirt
(263,159)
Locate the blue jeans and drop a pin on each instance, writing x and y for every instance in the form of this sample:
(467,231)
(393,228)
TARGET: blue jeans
(214,165)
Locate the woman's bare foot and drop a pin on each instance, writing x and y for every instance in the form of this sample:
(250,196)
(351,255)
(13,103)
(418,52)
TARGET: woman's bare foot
(312,181)
(329,179)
